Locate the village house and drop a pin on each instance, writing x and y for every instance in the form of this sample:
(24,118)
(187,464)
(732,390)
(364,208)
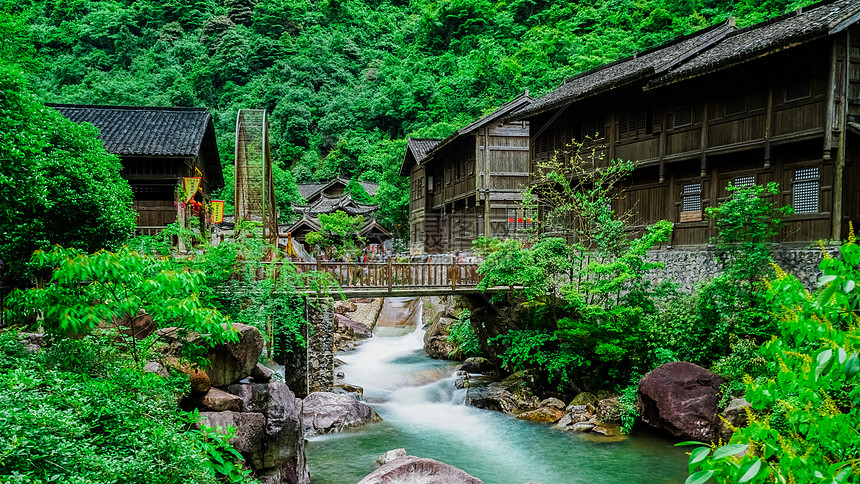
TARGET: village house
(774,102)
(469,184)
(158,147)
(330,197)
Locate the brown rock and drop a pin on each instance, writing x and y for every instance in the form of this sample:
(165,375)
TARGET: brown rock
(607,429)
(262,373)
(543,415)
(343,307)
(513,395)
(231,362)
(220,401)
(436,339)
(351,328)
(415,469)
(138,327)
(199,380)
(681,398)
(282,431)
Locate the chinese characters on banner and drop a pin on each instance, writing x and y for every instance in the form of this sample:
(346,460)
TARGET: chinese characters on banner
(217,211)
(190,185)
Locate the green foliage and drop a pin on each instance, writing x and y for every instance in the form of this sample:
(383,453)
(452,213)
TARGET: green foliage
(462,336)
(58,185)
(344,82)
(805,419)
(76,413)
(224,460)
(733,302)
(338,236)
(107,288)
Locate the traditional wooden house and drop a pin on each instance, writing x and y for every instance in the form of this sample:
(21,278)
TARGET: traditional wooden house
(775,102)
(468,184)
(329,197)
(158,146)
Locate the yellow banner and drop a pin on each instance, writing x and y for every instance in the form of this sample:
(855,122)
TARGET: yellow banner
(190,185)
(217,211)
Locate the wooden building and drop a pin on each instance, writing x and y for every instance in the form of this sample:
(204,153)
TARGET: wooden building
(329,197)
(774,102)
(158,146)
(468,184)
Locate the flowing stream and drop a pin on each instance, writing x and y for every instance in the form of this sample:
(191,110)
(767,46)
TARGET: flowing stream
(423,413)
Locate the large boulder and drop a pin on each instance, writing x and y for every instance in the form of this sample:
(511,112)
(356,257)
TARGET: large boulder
(325,412)
(231,362)
(250,433)
(513,395)
(682,399)
(282,430)
(413,470)
(436,342)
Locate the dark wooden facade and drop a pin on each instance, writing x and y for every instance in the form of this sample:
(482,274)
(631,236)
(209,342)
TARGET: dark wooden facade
(158,147)
(468,184)
(775,102)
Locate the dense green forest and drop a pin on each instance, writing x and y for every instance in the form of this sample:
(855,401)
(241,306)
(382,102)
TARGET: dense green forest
(345,81)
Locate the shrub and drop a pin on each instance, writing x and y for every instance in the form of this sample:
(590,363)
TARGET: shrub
(805,419)
(77,413)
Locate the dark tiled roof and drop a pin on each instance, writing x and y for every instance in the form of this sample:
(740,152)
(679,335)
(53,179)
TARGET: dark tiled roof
(421,146)
(627,70)
(309,190)
(813,22)
(152,131)
(328,204)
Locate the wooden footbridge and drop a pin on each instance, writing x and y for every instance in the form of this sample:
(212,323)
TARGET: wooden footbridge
(387,279)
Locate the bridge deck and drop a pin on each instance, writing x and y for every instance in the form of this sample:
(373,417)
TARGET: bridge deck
(385,279)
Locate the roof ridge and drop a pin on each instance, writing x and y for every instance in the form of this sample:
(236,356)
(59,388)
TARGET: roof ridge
(128,108)
(650,50)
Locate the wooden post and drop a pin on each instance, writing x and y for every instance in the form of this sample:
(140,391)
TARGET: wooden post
(454,272)
(390,275)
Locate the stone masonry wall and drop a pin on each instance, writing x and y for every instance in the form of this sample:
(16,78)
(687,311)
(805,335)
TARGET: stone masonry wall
(321,346)
(689,267)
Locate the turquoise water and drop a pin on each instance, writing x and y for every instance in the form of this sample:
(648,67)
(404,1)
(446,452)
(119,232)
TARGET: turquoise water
(423,413)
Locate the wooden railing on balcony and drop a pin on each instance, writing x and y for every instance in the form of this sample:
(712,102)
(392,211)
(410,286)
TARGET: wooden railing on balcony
(392,276)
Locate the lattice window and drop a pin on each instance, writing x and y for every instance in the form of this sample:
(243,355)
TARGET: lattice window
(736,104)
(691,202)
(805,190)
(744,181)
(797,89)
(683,116)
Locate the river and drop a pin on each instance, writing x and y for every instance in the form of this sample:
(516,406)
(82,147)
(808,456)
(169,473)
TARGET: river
(423,413)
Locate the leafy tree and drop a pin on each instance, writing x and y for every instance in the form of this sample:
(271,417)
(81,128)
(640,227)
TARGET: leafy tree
(338,234)
(58,185)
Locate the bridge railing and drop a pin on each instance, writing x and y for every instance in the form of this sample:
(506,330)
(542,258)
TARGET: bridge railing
(393,275)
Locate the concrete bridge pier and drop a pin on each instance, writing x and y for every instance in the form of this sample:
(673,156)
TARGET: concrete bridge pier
(312,370)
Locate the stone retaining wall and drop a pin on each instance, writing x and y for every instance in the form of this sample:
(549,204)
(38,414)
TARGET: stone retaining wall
(689,267)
